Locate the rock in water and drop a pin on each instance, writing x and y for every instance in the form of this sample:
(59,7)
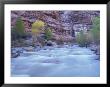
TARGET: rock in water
(29,48)
(96,49)
(14,55)
(15,52)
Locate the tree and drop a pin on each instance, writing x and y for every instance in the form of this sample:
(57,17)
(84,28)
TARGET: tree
(95,31)
(81,39)
(18,30)
(37,28)
(48,34)
(92,36)
(19,27)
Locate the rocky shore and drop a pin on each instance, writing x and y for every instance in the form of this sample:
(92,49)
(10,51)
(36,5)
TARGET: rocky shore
(15,52)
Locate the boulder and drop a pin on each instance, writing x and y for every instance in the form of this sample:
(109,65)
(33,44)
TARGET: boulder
(14,55)
(50,43)
(98,50)
(95,48)
(16,52)
(28,42)
(30,48)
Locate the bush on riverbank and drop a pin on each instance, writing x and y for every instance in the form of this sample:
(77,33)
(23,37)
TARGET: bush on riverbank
(81,39)
(48,34)
(95,31)
(18,30)
(18,34)
(92,36)
(37,30)
(37,27)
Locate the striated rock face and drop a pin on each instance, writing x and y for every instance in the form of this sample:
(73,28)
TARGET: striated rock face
(49,17)
(61,22)
(75,21)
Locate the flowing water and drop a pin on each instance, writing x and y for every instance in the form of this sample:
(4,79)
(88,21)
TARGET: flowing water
(66,61)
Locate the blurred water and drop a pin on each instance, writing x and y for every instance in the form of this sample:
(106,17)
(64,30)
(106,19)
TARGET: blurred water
(65,61)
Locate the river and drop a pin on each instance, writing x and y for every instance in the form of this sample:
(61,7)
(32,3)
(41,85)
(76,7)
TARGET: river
(66,61)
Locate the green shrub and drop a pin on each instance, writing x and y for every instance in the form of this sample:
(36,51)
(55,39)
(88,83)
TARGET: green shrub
(81,39)
(18,30)
(95,31)
(89,38)
(48,34)
(18,34)
(92,36)
(19,27)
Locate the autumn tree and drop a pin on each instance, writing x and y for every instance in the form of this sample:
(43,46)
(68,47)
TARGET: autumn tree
(37,28)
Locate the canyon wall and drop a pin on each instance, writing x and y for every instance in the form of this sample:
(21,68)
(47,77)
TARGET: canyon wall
(61,22)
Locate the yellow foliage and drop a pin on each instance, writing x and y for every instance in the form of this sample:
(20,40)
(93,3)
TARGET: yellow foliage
(35,31)
(38,24)
(37,27)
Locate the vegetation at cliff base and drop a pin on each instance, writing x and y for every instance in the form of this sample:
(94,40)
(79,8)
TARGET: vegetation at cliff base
(48,34)
(95,31)
(37,27)
(92,36)
(18,30)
